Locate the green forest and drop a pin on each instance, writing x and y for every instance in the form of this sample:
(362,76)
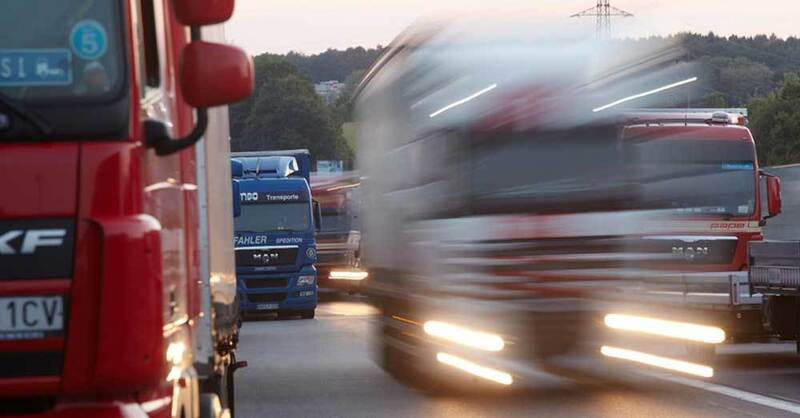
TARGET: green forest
(761,73)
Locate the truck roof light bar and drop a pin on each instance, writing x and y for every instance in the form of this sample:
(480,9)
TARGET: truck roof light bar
(734,115)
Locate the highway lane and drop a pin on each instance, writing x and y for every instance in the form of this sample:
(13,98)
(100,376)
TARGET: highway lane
(323,368)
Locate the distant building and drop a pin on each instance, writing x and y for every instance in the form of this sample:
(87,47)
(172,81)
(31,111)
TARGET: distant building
(329,90)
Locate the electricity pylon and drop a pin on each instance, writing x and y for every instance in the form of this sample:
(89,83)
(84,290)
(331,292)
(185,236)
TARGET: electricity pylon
(603,12)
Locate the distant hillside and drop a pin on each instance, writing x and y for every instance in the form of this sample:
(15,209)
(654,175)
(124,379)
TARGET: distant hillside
(741,69)
(780,55)
(334,64)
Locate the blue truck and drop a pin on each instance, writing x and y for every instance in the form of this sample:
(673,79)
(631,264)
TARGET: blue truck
(274,233)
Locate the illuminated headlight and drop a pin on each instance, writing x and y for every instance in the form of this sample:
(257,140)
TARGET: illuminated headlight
(348,275)
(467,337)
(660,327)
(311,253)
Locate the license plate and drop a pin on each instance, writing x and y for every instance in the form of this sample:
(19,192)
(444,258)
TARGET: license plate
(267,306)
(31,317)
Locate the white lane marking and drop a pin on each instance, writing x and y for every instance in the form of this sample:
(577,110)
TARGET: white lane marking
(757,348)
(733,393)
(785,398)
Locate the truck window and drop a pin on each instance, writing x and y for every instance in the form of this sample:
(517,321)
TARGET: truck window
(274,217)
(700,177)
(591,169)
(335,221)
(61,52)
(575,170)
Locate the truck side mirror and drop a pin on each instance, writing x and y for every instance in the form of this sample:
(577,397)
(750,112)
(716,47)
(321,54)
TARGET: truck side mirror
(237,201)
(215,74)
(203,12)
(317,216)
(211,75)
(773,195)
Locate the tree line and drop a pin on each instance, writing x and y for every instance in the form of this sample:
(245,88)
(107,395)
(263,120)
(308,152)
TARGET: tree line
(284,110)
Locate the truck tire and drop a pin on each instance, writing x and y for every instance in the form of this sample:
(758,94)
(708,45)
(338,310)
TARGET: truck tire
(402,367)
(308,314)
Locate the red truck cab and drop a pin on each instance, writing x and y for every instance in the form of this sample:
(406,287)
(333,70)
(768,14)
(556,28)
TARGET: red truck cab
(702,163)
(104,260)
(709,172)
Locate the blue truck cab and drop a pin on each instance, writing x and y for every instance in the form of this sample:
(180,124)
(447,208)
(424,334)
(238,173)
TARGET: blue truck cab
(274,233)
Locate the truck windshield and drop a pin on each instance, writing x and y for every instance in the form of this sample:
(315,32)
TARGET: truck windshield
(335,221)
(572,170)
(274,217)
(704,177)
(63,51)
(591,169)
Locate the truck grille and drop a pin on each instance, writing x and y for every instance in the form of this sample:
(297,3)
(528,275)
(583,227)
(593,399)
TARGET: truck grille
(594,253)
(41,363)
(265,256)
(266,283)
(267,297)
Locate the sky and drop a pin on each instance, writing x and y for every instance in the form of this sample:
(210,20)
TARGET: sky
(312,26)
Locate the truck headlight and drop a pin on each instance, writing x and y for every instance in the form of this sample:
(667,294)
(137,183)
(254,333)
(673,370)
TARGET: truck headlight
(306,280)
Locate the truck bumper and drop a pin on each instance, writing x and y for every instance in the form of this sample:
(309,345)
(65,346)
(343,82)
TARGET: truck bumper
(289,303)
(275,292)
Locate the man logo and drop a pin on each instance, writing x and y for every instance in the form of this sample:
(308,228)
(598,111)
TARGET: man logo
(689,253)
(32,240)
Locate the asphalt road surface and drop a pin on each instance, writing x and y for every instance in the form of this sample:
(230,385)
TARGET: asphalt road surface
(323,368)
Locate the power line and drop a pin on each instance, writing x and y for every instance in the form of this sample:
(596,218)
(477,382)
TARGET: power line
(603,11)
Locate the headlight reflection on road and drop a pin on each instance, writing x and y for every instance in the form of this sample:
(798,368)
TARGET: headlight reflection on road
(661,362)
(496,376)
(681,330)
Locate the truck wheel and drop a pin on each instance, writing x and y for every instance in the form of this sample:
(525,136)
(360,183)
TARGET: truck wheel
(308,314)
(402,367)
